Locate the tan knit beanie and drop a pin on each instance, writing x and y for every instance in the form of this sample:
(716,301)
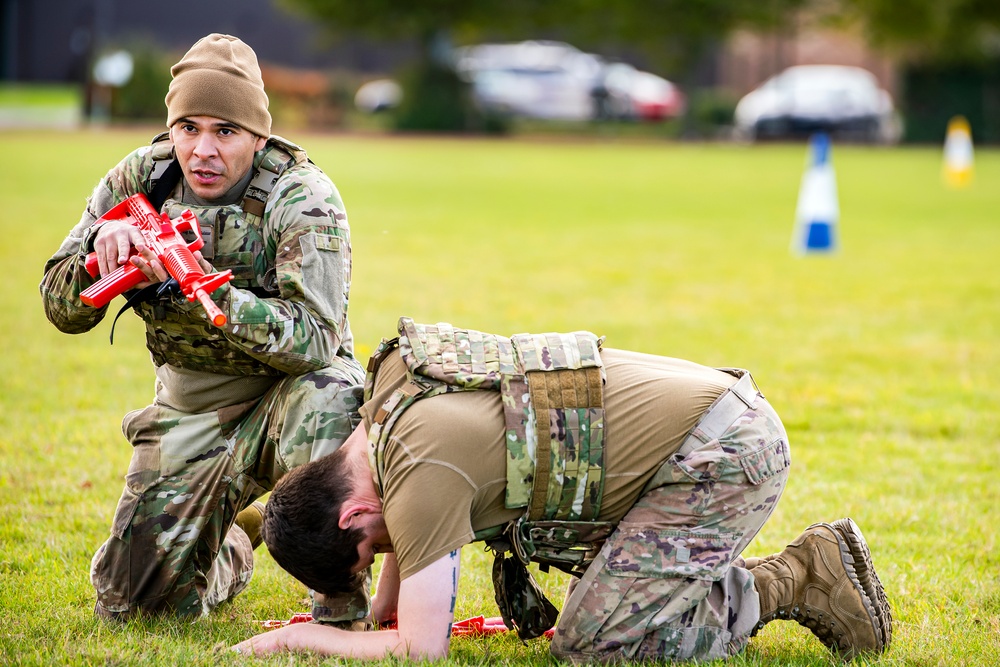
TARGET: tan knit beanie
(219,77)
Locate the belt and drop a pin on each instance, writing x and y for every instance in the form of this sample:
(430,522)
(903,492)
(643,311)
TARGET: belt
(731,404)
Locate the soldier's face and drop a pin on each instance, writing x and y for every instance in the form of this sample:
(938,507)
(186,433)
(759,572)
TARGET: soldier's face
(375,541)
(214,154)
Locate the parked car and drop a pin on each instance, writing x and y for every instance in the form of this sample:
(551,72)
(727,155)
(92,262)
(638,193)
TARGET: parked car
(639,95)
(844,101)
(556,81)
(536,79)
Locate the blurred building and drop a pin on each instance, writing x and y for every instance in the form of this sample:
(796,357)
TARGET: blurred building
(747,58)
(55,40)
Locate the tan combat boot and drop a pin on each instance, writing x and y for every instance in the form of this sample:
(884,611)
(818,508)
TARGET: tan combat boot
(754,561)
(825,581)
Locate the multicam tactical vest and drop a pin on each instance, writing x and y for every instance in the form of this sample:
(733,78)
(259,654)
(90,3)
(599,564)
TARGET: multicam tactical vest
(551,386)
(234,240)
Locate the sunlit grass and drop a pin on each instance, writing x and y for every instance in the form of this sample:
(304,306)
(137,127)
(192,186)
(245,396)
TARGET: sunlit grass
(882,358)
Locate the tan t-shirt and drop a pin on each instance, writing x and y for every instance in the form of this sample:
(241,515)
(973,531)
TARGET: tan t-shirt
(445,465)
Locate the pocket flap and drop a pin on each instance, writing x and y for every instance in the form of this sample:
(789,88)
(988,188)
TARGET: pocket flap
(762,464)
(644,552)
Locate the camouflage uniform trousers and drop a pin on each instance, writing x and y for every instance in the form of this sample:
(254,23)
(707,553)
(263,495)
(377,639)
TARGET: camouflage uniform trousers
(173,544)
(665,586)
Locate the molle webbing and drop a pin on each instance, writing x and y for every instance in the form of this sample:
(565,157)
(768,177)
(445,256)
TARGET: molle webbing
(552,391)
(554,409)
(279,154)
(563,394)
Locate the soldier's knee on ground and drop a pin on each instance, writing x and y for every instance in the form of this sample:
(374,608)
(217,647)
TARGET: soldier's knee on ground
(347,611)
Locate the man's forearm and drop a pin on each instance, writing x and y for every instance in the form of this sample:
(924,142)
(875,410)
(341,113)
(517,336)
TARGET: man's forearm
(426,612)
(386,600)
(327,640)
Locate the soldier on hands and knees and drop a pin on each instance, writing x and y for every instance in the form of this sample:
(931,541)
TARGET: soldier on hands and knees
(645,476)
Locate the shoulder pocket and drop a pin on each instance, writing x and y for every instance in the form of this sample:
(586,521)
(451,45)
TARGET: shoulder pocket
(324,277)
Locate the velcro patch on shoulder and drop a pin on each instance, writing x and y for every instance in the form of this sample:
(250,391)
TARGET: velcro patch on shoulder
(327,242)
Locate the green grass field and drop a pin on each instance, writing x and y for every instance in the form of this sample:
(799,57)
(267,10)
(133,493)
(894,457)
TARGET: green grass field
(883,359)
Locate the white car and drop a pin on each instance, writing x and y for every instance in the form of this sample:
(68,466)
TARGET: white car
(378,95)
(556,81)
(844,101)
(537,79)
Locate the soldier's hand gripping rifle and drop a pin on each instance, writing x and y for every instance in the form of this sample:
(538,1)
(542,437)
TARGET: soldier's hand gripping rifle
(162,236)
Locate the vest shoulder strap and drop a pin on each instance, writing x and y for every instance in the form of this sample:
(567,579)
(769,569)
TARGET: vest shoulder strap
(162,154)
(276,157)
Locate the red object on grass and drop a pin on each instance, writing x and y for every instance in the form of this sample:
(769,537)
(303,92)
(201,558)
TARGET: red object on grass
(476,626)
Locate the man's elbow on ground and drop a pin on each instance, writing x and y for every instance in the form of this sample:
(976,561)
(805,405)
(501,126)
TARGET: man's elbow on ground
(426,648)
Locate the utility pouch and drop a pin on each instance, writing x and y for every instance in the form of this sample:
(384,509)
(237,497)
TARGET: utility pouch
(522,602)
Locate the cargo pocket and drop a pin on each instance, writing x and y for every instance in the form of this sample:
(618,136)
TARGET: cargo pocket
(689,478)
(143,471)
(762,464)
(124,513)
(629,602)
(646,553)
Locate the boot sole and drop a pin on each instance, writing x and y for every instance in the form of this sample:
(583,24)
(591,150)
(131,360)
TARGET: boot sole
(858,562)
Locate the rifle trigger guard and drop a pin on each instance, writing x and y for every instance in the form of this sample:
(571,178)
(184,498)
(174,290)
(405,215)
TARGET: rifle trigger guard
(170,287)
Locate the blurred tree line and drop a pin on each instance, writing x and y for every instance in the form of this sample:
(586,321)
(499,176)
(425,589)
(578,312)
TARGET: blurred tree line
(949,52)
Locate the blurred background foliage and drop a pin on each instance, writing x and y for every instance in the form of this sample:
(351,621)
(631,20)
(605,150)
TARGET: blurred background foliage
(945,55)
(949,49)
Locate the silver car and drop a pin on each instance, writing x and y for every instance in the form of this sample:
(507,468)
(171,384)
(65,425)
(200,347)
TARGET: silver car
(847,102)
(556,81)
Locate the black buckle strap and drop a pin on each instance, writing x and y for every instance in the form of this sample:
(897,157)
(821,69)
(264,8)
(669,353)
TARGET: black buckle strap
(147,293)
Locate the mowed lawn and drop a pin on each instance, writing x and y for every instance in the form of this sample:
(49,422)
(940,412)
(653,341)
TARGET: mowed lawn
(883,358)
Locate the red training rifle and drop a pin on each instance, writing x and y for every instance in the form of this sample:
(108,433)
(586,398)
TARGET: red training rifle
(162,236)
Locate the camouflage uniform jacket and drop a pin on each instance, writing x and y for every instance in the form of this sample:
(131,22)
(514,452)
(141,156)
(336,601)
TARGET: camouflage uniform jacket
(290,258)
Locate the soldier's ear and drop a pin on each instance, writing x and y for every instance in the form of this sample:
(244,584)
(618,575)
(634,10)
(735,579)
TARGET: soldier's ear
(348,517)
(353,515)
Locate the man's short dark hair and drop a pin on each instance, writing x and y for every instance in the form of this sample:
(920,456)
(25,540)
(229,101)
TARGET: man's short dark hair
(301,526)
